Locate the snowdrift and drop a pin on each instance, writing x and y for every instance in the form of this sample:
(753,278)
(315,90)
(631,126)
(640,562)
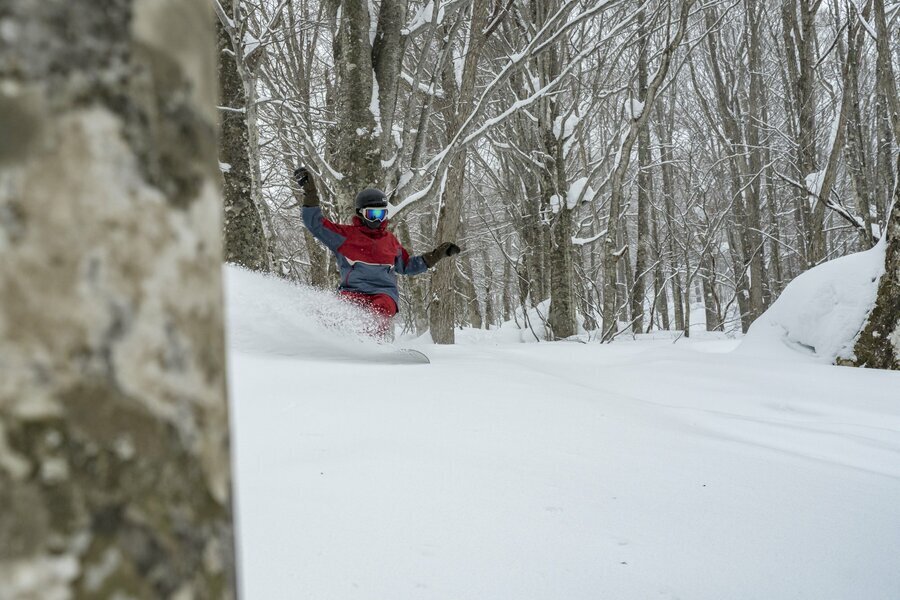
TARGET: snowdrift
(821,312)
(268,315)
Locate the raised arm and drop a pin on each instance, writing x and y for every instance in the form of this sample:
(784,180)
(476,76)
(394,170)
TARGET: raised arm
(330,234)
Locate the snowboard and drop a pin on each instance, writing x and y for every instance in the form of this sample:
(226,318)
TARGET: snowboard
(397,356)
(408,356)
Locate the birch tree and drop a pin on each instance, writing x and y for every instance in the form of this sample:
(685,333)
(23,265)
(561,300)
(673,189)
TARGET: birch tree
(114,460)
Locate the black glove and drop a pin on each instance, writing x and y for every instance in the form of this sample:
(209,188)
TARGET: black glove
(301,176)
(443,251)
(306,183)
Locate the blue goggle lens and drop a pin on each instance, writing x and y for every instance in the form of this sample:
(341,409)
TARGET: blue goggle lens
(375,214)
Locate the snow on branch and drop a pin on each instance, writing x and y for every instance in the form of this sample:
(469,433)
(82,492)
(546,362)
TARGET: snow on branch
(424,17)
(810,187)
(441,160)
(588,240)
(425,89)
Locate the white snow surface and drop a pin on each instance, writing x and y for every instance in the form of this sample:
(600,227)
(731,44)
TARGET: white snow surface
(821,311)
(640,469)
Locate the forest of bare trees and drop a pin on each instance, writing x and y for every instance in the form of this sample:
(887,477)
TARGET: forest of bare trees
(633,163)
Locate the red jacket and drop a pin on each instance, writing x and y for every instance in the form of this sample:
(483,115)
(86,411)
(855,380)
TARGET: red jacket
(368,259)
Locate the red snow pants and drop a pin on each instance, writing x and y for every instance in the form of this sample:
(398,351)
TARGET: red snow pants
(381,306)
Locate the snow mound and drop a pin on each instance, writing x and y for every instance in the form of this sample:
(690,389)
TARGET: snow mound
(268,315)
(821,312)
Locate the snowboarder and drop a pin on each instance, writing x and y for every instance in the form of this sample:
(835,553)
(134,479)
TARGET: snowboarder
(368,255)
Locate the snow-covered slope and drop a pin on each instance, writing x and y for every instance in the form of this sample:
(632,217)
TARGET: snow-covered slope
(820,312)
(270,316)
(633,470)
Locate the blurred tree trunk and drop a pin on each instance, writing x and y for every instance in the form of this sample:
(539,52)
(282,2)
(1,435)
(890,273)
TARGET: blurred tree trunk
(114,459)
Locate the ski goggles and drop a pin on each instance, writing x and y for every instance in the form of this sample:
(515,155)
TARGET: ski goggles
(375,214)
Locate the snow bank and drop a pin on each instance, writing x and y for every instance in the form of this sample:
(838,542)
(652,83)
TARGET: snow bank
(820,313)
(268,315)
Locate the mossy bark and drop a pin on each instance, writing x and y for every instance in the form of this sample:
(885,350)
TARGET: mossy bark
(114,458)
(878,345)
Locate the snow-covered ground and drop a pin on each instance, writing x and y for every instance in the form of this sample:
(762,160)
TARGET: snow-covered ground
(635,470)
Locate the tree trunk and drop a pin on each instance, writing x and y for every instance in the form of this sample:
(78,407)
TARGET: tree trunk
(357,151)
(561,322)
(469,293)
(878,345)
(776,272)
(490,313)
(114,460)
(665,126)
(799,38)
(661,298)
(644,182)
(416,287)
(754,249)
(245,242)
(441,312)
(744,163)
(611,253)
(508,279)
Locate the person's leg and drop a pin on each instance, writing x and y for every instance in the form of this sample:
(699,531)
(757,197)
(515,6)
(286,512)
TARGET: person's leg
(382,308)
(385,308)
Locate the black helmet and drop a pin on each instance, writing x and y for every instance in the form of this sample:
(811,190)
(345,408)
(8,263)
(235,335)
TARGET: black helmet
(370,197)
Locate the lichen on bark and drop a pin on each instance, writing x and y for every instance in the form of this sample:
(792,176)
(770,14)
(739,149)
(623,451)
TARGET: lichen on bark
(878,345)
(114,458)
